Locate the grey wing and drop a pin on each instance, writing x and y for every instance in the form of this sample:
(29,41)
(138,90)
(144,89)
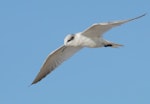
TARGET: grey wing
(97,30)
(55,59)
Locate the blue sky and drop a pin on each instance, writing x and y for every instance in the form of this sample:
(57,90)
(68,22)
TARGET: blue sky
(31,29)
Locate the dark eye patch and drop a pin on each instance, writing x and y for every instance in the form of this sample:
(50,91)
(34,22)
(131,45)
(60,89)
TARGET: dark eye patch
(71,38)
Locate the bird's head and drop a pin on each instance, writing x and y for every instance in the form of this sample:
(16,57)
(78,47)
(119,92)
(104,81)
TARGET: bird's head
(69,40)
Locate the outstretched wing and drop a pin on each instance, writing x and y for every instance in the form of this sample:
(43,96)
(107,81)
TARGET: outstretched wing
(55,59)
(96,30)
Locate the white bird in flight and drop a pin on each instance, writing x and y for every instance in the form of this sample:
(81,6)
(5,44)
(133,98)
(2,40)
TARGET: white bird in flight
(91,37)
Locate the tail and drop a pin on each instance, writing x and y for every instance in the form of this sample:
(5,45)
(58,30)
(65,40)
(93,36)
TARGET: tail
(115,45)
(111,44)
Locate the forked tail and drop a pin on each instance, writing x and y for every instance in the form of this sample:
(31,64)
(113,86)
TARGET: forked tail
(115,45)
(111,44)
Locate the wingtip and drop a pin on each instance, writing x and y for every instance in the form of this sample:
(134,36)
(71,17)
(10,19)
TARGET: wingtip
(39,77)
(140,16)
(143,15)
(31,84)
(34,82)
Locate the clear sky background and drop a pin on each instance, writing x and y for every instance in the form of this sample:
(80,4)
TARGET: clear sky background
(31,29)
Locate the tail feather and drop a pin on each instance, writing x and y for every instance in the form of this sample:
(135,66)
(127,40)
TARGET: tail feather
(111,44)
(115,45)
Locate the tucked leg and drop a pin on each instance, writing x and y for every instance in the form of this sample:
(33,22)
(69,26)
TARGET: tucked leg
(108,45)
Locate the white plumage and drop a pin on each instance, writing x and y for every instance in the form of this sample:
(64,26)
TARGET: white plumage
(91,37)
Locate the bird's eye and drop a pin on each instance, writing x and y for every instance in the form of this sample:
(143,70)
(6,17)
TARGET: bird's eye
(71,38)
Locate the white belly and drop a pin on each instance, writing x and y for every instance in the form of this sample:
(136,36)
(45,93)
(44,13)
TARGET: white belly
(89,42)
